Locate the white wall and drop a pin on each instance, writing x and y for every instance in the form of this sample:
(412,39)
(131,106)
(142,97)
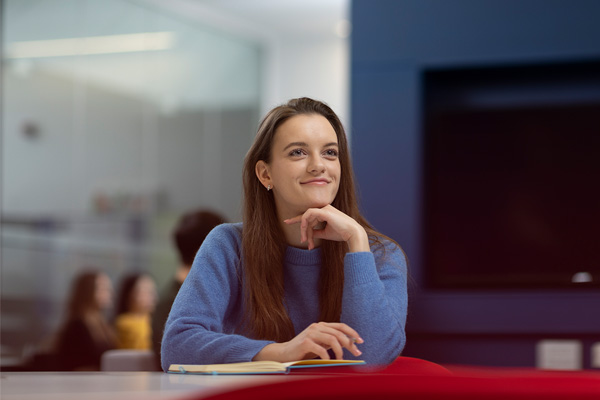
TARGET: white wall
(310,67)
(305,50)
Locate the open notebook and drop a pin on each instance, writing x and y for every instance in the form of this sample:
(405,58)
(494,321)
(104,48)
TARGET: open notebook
(257,367)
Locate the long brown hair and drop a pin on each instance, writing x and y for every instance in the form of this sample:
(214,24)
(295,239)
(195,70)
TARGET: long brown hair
(82,305)
(262,243)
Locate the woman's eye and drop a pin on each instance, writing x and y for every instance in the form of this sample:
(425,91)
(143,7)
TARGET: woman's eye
(331,153)
(296,152)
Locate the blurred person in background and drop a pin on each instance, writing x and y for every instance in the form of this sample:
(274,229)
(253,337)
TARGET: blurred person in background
(86,332)
(188,235)
(137,300)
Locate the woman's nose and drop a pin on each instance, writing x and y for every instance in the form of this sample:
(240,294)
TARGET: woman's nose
(316,165)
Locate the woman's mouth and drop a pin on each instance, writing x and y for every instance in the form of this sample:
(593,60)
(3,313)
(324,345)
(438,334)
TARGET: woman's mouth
(317,182)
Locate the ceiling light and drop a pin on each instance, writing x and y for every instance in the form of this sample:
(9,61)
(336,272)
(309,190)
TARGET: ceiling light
(135,42)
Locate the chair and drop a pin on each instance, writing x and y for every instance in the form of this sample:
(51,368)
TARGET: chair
(128,360)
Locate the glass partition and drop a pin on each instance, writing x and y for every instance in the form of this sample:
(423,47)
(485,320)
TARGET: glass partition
(116,119)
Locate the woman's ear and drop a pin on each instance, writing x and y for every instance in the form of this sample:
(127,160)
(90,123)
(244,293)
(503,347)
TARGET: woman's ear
(263,174)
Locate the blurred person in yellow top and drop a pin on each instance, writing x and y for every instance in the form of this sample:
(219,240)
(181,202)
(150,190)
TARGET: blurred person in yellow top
(133,322)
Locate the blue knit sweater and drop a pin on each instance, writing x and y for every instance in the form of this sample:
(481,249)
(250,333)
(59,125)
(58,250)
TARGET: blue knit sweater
(201,328)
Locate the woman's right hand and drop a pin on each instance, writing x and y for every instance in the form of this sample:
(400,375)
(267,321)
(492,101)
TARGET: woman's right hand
(313,342)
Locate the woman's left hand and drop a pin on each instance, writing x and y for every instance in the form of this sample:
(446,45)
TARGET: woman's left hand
(337,227)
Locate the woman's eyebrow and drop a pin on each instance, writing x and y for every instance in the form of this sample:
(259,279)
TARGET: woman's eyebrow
(304,144)
(294,144)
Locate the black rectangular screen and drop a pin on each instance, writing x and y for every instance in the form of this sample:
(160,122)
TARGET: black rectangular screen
(512,177)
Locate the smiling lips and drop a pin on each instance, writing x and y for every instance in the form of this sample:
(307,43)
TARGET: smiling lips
(317,181)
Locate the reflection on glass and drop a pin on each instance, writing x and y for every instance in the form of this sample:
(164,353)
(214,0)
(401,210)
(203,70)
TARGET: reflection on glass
(116,118)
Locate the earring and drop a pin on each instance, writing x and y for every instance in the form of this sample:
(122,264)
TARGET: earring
(268,187)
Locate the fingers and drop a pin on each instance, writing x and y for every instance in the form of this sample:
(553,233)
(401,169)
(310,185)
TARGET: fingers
(337,227)
(318,350)
(335,336)
(310,222)
(329,340)
(317,339)
(309,233)
(346,330)
(348,337)
(294,220)
(304,346)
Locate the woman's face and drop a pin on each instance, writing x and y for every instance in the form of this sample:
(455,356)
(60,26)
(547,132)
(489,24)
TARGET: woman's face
(304,171)
(104,292)
(143,296)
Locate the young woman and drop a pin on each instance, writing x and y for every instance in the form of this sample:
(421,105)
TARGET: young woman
(86,333)
(137,299)
(305,275)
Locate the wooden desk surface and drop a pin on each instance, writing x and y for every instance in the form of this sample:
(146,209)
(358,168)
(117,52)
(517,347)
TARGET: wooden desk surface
(122,385)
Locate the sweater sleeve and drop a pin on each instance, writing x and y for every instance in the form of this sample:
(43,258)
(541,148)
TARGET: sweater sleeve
(375,301)
(201,326)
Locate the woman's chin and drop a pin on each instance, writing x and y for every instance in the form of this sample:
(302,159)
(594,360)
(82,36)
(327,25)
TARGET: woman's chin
(319,204)
(311,204)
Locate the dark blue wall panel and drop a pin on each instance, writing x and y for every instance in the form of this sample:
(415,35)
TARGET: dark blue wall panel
(388,149)
(393,42)
(458,31)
